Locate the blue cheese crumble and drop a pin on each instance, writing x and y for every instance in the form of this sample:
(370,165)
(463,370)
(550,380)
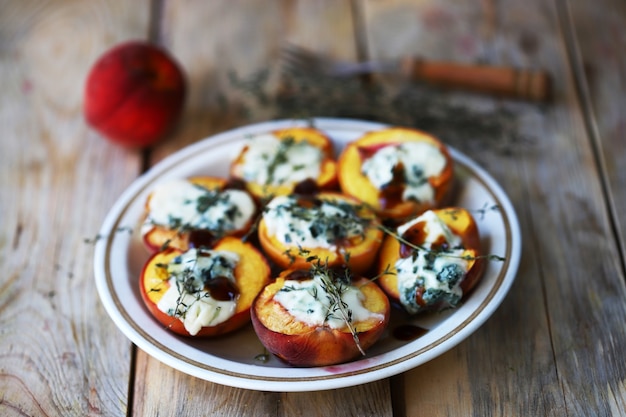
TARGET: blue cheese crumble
(181,204)
(272,161)
(309,302)
(320,225)
(435,272)
(419,162)
(188,298)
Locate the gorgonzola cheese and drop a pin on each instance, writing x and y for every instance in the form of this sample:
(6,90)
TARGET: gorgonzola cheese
(309,302)
(436,272)
(182,204)
(420,161)
(188,299)
(272,161)
(319,226)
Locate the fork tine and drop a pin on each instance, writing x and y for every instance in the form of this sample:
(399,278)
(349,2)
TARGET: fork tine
(297,59)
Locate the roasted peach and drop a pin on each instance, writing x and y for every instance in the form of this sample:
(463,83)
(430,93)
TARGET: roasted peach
(400,172)
(328,226)
(315,317)
(204,292)
(432,261)
(279,162)
(196,212)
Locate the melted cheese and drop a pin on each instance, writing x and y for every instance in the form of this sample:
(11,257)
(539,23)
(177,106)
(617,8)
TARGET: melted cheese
(272,161)
(308,302)
(181,204)
(439,274)
(315,227)
(420,161)
(187,300)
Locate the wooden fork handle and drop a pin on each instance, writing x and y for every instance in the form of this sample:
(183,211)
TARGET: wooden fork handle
(500,81)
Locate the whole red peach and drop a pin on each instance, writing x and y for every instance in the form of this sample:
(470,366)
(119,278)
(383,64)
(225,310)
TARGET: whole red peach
(134,93)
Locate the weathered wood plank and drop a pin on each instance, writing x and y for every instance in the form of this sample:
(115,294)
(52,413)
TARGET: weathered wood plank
(598,64)
(192,396)
(597,59)
(60,353)
(186,395)
(366,400)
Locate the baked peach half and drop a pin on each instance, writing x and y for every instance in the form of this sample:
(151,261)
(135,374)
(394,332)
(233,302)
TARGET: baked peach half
(196,212)
(432,261)
(328,226)
(204,292)
(400,172)
(286,160)
(319,317)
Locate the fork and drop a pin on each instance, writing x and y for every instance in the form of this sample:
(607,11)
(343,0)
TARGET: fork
(501,81)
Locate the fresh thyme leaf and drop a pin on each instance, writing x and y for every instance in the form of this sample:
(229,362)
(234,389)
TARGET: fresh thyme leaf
(263,357)
(280,157)
(94,240)
(434,251)
(290,255)
(334,285)
(165,245)
(333,221)
(196,280)
(486,208)
(98,237)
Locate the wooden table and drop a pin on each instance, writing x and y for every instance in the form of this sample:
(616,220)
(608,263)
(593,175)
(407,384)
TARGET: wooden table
(555,346)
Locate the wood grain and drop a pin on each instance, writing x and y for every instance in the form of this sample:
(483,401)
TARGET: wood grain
(60,354)
(601,72)
(187,395)
(367,400)
(598,71)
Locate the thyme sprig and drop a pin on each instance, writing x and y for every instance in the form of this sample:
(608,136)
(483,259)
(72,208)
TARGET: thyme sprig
(279,158)
(335,282)
(98,236)
(185,286)
(343,225)
(366,222)
(486,208)
(334,286)
(209,198)
(412,245)
(263,357)
(189,284)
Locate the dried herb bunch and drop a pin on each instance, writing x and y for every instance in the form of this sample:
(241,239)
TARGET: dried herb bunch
(461,120)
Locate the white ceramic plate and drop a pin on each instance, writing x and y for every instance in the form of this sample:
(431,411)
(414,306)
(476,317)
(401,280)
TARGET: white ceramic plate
(232,360)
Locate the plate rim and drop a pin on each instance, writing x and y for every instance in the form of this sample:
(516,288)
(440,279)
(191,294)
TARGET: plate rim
(459,332)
